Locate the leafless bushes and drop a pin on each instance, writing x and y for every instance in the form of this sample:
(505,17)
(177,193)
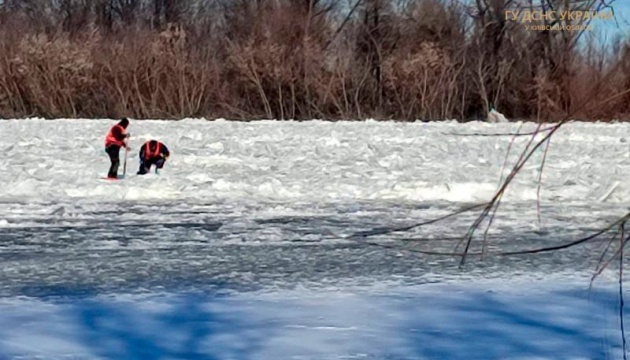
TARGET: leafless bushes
(423,83)
(52,75)
(281,67)
(289,59)
(155,75)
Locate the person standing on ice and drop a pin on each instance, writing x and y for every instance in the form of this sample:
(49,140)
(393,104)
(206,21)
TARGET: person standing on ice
(152,153)
(115,139)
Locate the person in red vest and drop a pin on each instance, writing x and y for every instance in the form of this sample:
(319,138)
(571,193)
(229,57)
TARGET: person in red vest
(155,153)
(115,139)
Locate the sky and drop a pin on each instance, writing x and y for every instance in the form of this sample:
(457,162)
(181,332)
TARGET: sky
(622,15)
(607,33)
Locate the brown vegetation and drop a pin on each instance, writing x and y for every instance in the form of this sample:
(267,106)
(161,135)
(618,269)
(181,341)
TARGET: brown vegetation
(303,59)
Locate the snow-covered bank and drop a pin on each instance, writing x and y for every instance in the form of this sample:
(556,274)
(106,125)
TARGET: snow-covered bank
(63,160)
(483,321)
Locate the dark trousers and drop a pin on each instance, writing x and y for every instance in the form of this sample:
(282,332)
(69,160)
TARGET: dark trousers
(113,151)
(145,164)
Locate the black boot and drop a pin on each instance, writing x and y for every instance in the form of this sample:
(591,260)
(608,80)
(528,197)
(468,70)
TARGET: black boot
(143,170)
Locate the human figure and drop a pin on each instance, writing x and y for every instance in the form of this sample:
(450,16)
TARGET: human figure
(115,139)
(155,153)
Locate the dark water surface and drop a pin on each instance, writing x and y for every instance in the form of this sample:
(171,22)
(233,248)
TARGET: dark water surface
(57,249)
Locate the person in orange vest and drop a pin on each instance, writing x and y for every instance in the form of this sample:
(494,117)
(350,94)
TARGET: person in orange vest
(155,153)
(115,139)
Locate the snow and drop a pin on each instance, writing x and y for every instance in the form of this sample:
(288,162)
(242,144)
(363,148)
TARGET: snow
(316,161)
(242,247)
(489,321)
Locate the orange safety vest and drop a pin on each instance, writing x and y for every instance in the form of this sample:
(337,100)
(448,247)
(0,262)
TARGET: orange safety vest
(110,139)
(147,150)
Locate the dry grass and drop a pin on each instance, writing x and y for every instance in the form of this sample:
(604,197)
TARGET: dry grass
(429,60)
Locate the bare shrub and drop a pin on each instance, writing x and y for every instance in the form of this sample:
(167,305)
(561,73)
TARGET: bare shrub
(280,67)
(422,82)
(287,59)
(155,75)
(53,75)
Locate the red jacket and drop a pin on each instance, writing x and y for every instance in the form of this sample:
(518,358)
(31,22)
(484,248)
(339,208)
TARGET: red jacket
(148,154)
(116,136)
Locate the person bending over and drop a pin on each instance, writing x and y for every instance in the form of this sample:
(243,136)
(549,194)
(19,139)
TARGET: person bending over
(155,153)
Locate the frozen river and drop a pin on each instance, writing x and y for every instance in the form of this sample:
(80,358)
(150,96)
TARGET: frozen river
(249,246)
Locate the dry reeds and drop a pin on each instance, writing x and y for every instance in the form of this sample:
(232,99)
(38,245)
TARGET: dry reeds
(420,59)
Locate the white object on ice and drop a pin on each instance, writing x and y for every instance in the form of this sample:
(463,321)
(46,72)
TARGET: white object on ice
(496,117)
